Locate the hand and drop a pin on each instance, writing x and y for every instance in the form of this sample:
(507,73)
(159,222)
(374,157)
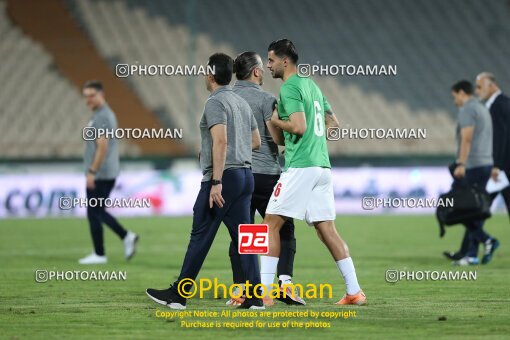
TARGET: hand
(215,196)
(90,181)
(275,115)
(460,171)
(495,174)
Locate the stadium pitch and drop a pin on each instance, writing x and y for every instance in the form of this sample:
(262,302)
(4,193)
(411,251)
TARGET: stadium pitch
(120,309)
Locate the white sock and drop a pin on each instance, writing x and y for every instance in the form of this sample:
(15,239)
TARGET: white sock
(268,266)
(346,267)
(286,279)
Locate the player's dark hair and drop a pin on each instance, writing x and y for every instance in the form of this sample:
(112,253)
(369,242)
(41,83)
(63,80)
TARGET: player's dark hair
(284,48)
(463,85)
(93,84)
(244,64)
(223,66)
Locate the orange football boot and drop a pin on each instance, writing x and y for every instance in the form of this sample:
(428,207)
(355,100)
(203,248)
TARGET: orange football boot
(356,299)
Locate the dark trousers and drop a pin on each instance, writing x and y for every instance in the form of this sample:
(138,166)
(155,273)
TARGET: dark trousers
(98,215)
(474,233)
(506,196)
(237,190)
(264,185)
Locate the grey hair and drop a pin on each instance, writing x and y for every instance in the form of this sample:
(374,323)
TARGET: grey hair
(487,75)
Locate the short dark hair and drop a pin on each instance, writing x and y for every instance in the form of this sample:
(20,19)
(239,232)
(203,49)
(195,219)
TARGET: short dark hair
(244,64)
(284,48)
(93,84)
(223,66)
(463,85)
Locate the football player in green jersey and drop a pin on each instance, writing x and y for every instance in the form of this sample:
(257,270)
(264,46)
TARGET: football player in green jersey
(304,190)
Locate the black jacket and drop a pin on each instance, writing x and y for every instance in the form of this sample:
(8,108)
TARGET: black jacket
(500,114)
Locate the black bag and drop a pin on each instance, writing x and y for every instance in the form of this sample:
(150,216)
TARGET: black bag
(469,203)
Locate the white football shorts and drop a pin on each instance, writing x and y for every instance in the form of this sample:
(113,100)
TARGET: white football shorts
(304,194)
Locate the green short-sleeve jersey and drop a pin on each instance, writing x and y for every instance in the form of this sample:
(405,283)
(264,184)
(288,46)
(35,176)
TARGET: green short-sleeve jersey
(299,94)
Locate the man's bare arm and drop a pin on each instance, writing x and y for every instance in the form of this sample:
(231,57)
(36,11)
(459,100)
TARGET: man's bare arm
(331,120)
(275,132)
(219,149)
(295,125)
(255,139)
(100,155)
(466,137)
(219,154)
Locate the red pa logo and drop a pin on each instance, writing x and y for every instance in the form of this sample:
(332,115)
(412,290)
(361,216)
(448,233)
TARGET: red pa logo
(253,239)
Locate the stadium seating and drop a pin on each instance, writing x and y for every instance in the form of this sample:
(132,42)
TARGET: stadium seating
(42,113)
(27,70)
(431,52)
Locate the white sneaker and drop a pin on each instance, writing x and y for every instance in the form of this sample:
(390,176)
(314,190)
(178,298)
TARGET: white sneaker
(130,244)
(93,259)
(466,261)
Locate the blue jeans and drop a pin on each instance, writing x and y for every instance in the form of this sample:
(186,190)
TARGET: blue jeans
(474,229)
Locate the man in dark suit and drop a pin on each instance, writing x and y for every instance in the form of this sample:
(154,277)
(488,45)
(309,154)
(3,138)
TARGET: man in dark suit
(498,105)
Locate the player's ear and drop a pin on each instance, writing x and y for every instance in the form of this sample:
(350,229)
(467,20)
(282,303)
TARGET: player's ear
(285,61)
(210,78)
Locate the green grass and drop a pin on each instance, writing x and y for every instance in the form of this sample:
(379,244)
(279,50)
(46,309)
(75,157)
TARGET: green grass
(120,309)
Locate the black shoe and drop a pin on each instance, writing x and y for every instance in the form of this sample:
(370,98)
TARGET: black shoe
(489,248)
(450,255)
(289,296)
(252,303)
(167,297)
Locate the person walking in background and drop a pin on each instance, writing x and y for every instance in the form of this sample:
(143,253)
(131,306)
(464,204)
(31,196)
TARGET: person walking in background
(473,165)
(101,162)
(498,105)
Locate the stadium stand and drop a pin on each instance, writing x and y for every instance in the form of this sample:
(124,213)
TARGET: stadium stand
(336,32)
(43,114)
(48,124)
(78,60)
(159,31)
